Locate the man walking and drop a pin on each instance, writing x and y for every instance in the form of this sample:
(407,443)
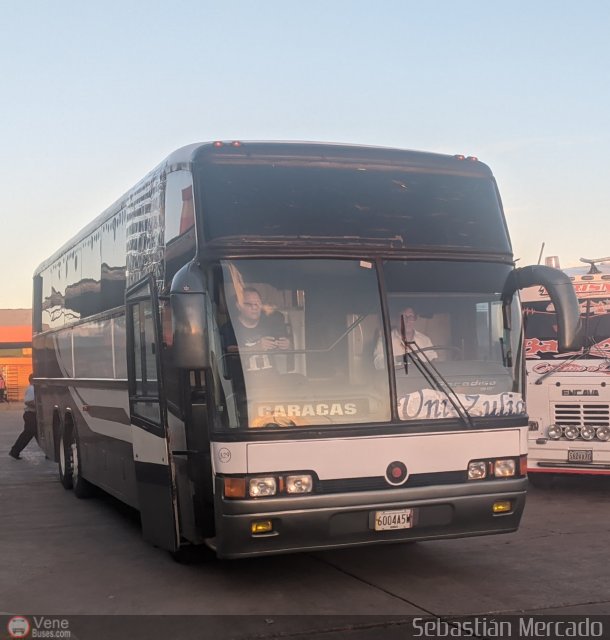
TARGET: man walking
(29,422)
(3,396)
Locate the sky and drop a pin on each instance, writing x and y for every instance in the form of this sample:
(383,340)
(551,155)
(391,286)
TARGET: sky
(95,94)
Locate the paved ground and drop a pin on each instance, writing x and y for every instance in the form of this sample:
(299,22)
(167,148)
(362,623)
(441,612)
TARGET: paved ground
(63,556)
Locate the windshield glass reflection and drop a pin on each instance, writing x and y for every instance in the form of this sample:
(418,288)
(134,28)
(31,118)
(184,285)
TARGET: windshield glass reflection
(452,355)
(294,336)
(302,343)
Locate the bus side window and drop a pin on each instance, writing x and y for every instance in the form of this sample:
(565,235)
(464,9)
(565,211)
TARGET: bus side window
(179,222)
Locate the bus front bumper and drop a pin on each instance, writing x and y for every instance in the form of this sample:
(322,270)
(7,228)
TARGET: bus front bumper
(316,522)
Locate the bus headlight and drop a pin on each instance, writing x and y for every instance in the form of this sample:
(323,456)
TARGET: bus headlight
(504,468)
(477,470)
(603,433)
(262,487)
(554,432)
(587,432)
(299,484)
(571,432)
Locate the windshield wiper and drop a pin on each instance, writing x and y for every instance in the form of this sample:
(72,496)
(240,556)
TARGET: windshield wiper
(432,375)
(563,364)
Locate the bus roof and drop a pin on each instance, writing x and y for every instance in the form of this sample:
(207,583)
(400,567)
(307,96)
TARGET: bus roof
(185,157)
(586,284)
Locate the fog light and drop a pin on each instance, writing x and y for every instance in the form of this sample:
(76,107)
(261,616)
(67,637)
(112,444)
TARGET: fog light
(554,432)
(477,470)
(261,526)
(504,468)
(502,506)
(603,433)
(299,484)
(571,432)
(262,487)
(587,432)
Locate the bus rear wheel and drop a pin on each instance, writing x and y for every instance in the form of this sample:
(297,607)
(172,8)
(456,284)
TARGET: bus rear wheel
(65,462)
(82,488)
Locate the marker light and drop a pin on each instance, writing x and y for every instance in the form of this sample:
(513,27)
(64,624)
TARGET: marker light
(217,144)
(603,433)
(571,432)
(504,468)
(554,432)
(235,487)
(587,432)
(477,470)
(523,465)
(299,484)
(262,487)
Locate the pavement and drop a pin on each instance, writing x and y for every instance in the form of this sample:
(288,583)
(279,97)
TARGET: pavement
(86,560)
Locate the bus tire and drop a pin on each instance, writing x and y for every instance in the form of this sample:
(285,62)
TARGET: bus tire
(82,488)
(64,462)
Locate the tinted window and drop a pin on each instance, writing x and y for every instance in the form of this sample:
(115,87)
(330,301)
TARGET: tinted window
(386,203)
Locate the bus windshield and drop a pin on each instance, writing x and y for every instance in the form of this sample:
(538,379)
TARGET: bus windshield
(541,328)
(302,342)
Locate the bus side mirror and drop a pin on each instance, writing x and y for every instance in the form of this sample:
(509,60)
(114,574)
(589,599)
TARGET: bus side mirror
(561,292)
(189,326)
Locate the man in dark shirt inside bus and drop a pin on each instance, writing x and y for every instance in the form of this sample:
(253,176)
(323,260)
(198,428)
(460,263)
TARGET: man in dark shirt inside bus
(254,331)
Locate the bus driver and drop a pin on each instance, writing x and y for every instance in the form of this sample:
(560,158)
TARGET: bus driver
(254,331)
(416,341)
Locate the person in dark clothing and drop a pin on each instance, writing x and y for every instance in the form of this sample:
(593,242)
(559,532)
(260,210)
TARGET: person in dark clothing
(249,344)
(29,423)
(3,396)
(254,332)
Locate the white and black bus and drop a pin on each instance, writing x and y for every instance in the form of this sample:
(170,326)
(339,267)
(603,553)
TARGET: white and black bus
(568,393)
(277,347)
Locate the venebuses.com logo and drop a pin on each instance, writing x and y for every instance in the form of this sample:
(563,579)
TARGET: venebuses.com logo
(38,627)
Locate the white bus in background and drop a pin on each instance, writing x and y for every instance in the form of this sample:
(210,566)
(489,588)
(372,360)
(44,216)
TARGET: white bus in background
(568,394)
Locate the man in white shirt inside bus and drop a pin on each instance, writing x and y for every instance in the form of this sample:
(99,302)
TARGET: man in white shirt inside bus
(416,340)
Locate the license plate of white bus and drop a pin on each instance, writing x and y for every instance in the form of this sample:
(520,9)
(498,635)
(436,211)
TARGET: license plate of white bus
(580,455)
(396,519)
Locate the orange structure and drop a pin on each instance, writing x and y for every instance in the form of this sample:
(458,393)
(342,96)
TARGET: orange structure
(15,350)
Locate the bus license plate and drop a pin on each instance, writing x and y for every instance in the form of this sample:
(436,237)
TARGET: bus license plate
(580,455)
(389,520)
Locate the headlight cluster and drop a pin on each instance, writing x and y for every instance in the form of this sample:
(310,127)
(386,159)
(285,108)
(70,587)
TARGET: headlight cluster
(573,432)
(268,486)
(497,468)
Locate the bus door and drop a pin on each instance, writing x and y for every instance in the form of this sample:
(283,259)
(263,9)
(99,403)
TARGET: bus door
(148,411)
